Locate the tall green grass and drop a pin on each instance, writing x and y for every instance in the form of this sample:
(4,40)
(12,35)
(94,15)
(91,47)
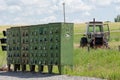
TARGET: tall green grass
(2,57)
(100,63)
(79,28)
(2,54)
(114,26)
(115,36)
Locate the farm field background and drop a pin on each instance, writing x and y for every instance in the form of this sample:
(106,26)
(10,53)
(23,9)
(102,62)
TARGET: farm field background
(102,63)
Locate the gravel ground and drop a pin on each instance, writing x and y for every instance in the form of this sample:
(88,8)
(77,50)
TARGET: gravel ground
(38,76)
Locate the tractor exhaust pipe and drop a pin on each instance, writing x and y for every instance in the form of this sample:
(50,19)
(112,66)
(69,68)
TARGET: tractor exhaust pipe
(93,19)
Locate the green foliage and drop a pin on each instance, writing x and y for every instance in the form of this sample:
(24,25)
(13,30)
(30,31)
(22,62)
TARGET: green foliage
(117,19)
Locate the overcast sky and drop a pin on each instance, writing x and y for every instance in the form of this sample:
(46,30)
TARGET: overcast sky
(46,11)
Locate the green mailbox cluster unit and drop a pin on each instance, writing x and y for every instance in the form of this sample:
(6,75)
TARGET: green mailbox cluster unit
(46,44)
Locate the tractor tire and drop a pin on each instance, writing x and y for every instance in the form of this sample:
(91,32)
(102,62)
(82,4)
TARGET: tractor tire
(83,42)
(92,43)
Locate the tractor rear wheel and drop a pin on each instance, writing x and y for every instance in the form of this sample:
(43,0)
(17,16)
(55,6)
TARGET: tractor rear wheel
(83,42)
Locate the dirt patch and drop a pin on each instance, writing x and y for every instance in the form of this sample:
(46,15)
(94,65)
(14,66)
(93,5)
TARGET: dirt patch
(76,45)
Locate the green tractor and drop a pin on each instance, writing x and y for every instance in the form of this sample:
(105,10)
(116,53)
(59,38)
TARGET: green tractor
(97,35)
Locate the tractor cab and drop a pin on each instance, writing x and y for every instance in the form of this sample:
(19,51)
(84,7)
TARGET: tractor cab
(97,34)
(94,29)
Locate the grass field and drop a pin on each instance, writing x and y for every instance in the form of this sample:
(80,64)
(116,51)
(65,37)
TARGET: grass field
(102,63)
(97,63)
(80,28)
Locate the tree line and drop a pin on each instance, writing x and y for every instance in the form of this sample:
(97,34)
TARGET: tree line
(117,19)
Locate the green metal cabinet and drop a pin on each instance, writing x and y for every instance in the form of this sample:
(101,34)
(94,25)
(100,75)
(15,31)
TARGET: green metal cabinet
(13,42)
(46,44)
(24,45)
(14,46)
(61,53)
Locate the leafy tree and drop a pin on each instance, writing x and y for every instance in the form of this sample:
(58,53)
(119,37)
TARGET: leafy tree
(117,19)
